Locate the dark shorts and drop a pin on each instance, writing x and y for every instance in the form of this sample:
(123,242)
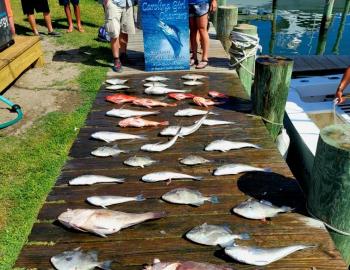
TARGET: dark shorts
(66,2)
(28,6)
(198,10)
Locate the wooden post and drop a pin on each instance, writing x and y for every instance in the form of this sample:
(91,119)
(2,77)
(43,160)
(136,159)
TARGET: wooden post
(245,70)
(226,20)
(270,90)
(273,27)
(326,21)
(328,189)
(215,14)
(341,27)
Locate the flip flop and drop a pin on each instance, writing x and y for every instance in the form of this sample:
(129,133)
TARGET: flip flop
(193,62)
(202,64)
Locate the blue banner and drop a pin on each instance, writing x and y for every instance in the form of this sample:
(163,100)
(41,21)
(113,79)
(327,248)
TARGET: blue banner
(165,25)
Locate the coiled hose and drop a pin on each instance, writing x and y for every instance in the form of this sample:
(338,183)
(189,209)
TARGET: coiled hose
(14,108)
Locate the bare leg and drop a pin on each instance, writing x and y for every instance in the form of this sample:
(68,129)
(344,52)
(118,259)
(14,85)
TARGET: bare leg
(123,42)
(69,18)
(12,26)
(48,22)
(78,18)
(32,22)
(193,37)
(115,47)
(202,23)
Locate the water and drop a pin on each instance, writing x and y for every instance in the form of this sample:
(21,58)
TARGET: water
(298,27)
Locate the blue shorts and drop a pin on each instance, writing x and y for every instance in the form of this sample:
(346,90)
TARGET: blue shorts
(198,10)
(66,2)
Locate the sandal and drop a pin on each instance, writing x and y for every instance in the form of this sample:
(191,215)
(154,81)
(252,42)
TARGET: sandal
(193,62)
(202,64)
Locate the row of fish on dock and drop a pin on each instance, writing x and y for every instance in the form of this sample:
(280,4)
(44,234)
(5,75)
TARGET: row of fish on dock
(102,222)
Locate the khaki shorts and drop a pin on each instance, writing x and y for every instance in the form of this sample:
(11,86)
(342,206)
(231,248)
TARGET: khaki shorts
(118,20)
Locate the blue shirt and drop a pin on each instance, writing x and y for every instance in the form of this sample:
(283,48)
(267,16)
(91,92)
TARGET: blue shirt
(123,3)
(196,2)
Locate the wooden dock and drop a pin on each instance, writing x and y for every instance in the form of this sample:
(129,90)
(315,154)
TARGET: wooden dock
(25,52)
(164,238)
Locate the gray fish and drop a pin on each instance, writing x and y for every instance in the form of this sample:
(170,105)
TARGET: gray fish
(193,77)
(237,168)
(150,84)
(106,151)
(192,112)
(212,235)
(90,179)
(159,147)
(105,201)
(165,175)
(224,145)
(156,79)
(193,160)
(261,256)
(192,83)
(254,209)
(187,265)
(142,162)
(116,81)
(126,113)
(78,260)
(102,221)
(188,196)
(109,136)
(117,87)
(213,122)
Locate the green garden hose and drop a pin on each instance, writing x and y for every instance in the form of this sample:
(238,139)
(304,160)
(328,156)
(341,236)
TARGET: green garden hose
(14,108)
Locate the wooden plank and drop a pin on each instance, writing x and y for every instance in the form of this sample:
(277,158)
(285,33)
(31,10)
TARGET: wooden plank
(18,58)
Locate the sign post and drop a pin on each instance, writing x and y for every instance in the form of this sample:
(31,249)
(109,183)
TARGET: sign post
(165,25)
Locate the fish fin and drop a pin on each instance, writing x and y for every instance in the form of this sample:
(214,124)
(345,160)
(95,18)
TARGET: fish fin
(106,265)
(267,170)
(164,123)
(142,137)
(142,166)
(214,199)
(159,214)
(168,182)
(197,204)
(116,147)
(244,236)
(93,254)
(103,206)
(100,234)
(140,198)
(266,202)
(227,227)
(77,249)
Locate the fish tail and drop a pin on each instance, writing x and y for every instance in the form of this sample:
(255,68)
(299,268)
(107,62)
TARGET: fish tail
(267,170)
(214,199)
(286,209)
(164,123)
(140,198)
(172,104)
(142,137)
(156,215)
(106,265)
(198,178)
(244,236)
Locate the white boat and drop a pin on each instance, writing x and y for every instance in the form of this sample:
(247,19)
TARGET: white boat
(310,107)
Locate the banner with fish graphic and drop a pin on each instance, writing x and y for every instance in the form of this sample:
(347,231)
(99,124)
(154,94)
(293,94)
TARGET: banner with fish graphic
(165,25)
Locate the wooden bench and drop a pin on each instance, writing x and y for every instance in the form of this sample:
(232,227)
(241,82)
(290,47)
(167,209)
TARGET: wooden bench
(26,52)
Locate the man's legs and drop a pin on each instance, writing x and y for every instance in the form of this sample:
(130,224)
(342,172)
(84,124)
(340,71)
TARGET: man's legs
(48,22)
(78,18)
(202,23)
(32,22)
(69,17)
(193,40)
(115,51)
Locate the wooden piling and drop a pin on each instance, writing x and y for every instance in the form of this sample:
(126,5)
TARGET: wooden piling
(226,19)
(270,91)
(245,70)
(341,27)
(328,189)
(326,21)
(273,27)
(215,14)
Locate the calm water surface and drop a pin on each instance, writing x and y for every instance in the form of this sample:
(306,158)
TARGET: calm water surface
(298,27)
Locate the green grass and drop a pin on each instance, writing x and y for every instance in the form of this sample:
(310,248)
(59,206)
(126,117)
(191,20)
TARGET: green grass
(30,163)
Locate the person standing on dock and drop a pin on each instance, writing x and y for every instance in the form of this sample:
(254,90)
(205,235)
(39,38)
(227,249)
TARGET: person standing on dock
(29,6)
(342,85)
(198,12)
(75,3)
(10,16)
(119,24)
